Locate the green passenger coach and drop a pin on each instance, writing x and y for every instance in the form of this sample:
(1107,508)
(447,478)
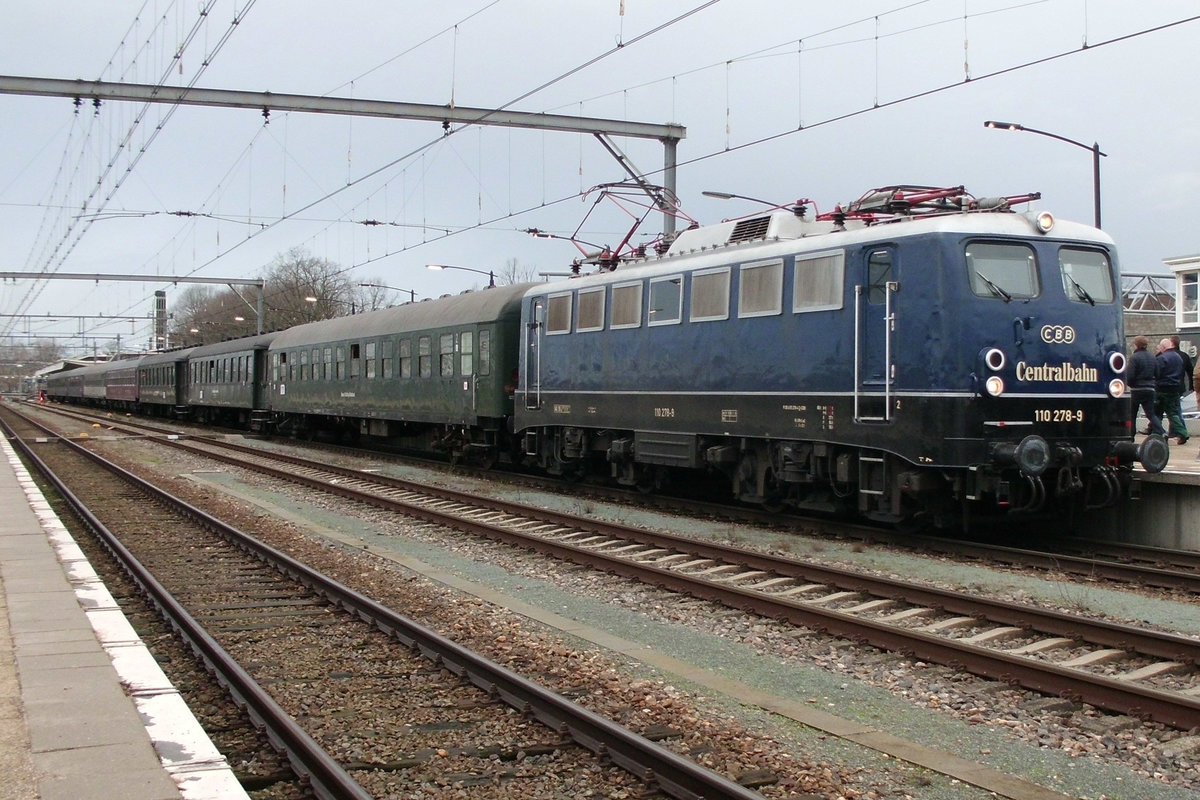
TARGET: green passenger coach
(427,374)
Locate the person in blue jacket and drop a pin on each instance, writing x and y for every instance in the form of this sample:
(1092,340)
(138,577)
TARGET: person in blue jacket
(1169,382)
(1142,385)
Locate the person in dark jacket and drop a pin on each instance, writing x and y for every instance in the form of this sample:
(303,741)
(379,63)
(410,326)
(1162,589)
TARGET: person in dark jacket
(1170,382)
(1142,385)
(1188,367)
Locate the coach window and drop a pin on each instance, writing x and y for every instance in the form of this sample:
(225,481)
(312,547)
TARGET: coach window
(626,305)
(305,371)
(327,366)
(369,356)
(446,355)
(355,360)
(466,355)
(819,282)
(485,352)
(666,298)
(591,310)
(710,295)
(760,289)
(1086,275)
(406,358)
(1005,271)
(558,313)
(389,349)
(339,362)
(283,366)
(425,357)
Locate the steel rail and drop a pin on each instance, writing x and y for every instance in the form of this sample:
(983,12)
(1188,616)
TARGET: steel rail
(1169,708)
(676,775)
(326,777)
(1109,634)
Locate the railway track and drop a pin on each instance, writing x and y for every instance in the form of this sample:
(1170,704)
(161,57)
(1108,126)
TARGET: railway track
(461,720)
(1119,668)
(1092,560)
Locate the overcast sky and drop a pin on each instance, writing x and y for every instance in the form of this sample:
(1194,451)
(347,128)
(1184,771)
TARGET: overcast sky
(780,99)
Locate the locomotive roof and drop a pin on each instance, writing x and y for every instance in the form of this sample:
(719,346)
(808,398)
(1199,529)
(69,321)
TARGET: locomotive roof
(481,306)
(781,226)
(782,233)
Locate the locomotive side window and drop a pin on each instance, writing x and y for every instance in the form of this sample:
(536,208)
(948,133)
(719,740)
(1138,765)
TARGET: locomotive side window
(1086,275)
(820,281)
(591,310)
(710,295)
(1005,271)
(558,313)
(626,305)
(666,298)
(760,289)
(879,272)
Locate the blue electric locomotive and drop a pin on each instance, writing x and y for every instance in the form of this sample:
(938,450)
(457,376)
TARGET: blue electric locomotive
(918,354)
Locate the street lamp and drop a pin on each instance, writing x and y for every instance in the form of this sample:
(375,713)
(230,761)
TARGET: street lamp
(491,275)
(1094,147)
(412,295)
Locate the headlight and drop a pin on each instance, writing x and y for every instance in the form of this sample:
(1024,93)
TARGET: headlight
(1116,361)
(1116,387)
(994,386)
(1044,221)
(994,358)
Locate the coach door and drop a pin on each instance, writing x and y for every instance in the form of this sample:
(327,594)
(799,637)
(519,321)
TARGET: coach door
(875,324)
(531,380)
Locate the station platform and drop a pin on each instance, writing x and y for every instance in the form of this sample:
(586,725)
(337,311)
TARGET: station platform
(85,712)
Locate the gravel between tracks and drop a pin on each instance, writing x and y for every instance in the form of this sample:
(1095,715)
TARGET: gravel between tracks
(1054,743)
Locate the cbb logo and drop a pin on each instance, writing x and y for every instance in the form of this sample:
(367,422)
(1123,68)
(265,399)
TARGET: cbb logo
(1058,334)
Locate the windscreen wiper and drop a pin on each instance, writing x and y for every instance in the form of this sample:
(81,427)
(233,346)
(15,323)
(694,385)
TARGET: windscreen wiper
(996,290)
(1083,295)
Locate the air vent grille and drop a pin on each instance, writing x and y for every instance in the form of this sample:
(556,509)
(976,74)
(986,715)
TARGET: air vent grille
(749,229)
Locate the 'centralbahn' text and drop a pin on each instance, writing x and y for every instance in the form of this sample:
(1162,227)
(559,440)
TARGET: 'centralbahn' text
(1057,372)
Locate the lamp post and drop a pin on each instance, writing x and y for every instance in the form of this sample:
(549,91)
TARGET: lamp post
(412,295)
(1094,147)
(491,275)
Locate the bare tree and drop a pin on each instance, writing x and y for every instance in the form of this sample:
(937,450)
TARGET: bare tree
(302,288)
(512,272)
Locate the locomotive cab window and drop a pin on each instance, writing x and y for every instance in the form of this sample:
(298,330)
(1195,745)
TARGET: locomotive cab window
(1003,271)
(1086,275)
(710,295)
(666,298)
